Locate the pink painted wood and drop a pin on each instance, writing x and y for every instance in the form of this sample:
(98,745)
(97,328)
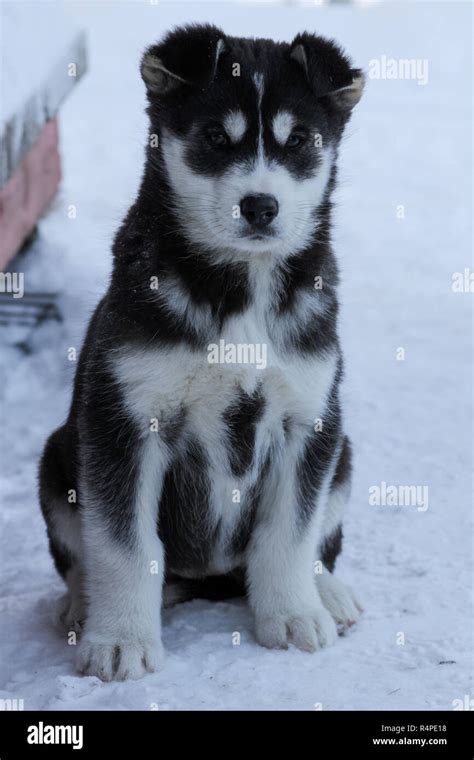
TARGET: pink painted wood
(26,195)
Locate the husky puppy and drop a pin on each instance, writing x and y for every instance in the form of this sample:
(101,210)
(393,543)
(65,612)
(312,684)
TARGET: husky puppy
(204,453)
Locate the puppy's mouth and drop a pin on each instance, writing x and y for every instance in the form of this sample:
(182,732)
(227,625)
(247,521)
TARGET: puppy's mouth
(258,235)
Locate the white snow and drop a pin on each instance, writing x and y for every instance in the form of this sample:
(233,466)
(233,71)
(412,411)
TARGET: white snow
(411,420)
(38,42)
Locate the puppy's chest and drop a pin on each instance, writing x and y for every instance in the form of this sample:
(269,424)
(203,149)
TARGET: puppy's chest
(241,369)
(220,413)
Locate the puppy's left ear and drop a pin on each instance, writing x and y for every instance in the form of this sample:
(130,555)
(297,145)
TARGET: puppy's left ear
(328,71)
(187,56)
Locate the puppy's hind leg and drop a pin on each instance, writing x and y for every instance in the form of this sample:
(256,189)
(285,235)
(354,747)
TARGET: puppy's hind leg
(59,504)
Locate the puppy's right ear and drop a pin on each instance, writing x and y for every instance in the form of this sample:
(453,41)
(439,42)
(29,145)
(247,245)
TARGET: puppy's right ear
(187,56)
(328,71)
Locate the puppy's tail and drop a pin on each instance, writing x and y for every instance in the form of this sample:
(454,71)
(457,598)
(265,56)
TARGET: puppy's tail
(213,587)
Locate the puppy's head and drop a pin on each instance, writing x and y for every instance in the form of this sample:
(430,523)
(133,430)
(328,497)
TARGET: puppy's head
(247,133)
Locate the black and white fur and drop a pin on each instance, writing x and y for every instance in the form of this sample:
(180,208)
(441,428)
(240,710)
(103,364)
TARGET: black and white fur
(202,479)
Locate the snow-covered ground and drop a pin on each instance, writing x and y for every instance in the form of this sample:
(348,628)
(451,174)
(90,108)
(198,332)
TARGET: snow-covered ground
(410,420)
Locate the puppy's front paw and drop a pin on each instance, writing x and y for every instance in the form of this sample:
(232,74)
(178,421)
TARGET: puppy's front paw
(118,660)
(308,631)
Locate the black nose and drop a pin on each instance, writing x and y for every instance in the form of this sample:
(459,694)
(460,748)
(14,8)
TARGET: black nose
(259,210)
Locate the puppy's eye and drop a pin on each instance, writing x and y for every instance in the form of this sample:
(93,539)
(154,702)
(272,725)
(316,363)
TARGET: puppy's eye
(217,137)
(295,140)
